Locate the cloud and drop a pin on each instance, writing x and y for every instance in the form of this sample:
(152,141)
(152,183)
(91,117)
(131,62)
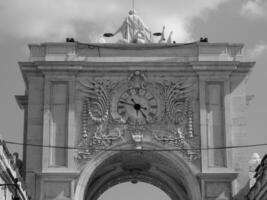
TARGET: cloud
(48,19)
(258,50)
(52,20)
(254,9)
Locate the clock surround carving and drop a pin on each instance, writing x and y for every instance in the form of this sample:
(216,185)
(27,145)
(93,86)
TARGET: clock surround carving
(122,111)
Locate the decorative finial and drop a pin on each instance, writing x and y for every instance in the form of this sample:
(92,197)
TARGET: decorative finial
(169,41)
(162,39)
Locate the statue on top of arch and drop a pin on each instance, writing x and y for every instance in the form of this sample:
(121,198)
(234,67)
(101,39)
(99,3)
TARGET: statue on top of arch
(134,30)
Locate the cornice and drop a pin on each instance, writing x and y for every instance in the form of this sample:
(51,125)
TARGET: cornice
(224,176)
(56,173)
(22,101)
(245,66)
(80,66)
(74,67)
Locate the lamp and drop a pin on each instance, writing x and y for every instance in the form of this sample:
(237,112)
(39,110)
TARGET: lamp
(134,181)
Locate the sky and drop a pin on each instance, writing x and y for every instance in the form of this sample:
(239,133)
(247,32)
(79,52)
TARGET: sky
(36,21)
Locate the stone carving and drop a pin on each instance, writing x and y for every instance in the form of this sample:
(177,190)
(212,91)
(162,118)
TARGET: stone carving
(176,128)
(134,30)
(98,131)
(137,135)
(167,120)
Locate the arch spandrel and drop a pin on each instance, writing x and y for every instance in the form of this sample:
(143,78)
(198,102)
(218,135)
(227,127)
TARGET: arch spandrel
(166,170)
(137,107)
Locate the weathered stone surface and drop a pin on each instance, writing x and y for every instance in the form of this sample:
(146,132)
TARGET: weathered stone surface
(175,111)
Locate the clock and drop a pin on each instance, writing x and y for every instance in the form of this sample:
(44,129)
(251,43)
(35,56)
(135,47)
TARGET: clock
(136,106)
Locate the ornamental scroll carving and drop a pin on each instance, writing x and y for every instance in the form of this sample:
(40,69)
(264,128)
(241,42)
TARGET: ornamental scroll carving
(162,113)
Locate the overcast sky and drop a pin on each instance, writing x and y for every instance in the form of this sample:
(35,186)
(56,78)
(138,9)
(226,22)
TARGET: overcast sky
(37,21)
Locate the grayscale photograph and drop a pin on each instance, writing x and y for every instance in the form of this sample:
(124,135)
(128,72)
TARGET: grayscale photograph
(133,100)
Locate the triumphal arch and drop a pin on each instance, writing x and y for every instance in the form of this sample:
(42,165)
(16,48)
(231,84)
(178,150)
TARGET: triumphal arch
(167,114)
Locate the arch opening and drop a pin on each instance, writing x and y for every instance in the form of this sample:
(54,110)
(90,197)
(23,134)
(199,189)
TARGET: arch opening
(165,170)
(130,191)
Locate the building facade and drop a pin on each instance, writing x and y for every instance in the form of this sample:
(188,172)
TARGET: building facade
(11,183)
(97,115)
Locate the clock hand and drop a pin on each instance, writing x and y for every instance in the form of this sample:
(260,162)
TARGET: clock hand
(123,102)
(141,107)
(133,101)
(143,114)
(137,106)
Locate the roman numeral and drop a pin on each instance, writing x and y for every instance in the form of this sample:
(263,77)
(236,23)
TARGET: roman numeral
(154,107)
(151,98)
(120,107)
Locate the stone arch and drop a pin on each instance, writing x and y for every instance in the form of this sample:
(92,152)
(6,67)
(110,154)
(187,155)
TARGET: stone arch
(166,170)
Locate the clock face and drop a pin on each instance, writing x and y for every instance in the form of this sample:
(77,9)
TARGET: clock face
(137,106)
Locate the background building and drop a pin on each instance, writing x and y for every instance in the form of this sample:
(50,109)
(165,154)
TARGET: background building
(11,183)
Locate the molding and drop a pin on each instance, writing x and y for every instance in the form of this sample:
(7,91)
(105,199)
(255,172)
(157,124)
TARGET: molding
(75,67)
(211,178)
(190,51)
(218,176)
(134,46)
(58,174)
(203,80)
(22,101)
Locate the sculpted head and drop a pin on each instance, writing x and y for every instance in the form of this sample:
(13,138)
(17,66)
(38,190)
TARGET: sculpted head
(132,12)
